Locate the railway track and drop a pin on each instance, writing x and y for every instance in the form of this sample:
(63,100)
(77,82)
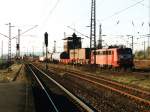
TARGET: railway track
(139,96)
(53,97)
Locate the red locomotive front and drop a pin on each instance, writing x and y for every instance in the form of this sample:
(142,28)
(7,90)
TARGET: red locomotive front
(113,57)
(125,57)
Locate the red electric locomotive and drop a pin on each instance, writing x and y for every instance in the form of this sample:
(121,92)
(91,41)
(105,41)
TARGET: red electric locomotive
(113,58)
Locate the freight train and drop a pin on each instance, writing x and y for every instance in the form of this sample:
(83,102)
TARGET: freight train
(105,58)
(111,57)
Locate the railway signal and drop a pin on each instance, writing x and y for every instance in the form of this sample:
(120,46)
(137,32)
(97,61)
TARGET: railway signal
(18,45)
(46,44)
(46,38)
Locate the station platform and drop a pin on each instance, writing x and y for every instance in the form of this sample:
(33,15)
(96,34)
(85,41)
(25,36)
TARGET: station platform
(16,96)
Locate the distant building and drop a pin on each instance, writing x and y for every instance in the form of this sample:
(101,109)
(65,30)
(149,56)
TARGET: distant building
(73,42)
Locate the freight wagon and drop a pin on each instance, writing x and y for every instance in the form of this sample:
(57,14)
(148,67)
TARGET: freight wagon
(80,56)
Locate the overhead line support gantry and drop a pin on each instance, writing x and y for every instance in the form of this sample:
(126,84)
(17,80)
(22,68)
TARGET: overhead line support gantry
(93,29)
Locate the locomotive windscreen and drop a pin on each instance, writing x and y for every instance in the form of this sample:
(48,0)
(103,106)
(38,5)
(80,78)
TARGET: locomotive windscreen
(125,51)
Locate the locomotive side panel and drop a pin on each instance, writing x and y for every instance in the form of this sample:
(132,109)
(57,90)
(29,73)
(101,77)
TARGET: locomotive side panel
(114,57)
(105,57)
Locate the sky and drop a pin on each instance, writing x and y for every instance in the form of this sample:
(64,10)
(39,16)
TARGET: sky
(118,17)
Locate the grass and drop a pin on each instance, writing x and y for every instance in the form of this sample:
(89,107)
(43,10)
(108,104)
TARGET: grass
(142,82)
(1,61)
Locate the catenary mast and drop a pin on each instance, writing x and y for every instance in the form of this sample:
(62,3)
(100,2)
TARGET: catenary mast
(93,28)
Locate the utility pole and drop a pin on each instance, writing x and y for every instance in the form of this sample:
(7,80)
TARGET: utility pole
(2,52)
(9,43)
(54,50)
(64,34)
(19,42)
(16,47)
(132,43)
(144,50)
(93,30)
(32,51)
(148,48)
(27,52)
(43,48)
(100,37)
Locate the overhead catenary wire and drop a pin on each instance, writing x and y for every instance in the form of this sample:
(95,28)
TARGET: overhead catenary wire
(26,31)
(50,13)
(142,4)
(118,12)
(4,35)
(77,31)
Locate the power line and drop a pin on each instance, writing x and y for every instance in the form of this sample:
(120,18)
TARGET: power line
(26,31)
(50,12)
(116,13)
(4,35)
(29,29)
(77,31)
(142,4)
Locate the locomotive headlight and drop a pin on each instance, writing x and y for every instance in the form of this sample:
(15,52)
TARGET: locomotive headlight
(121,56)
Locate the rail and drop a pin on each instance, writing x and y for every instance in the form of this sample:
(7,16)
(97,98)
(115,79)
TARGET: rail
(77,100)
(42,86)
(133,97)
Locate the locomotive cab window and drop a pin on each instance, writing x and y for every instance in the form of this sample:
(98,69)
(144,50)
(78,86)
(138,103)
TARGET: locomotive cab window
(98,52)
(101,53)
(124,51)
(104,52)
(109,53)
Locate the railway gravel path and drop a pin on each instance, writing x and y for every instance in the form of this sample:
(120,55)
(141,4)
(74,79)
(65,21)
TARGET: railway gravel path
(99,98)
(15,91)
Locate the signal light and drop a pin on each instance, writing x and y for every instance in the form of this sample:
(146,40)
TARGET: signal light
(46,38)
(17,46)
